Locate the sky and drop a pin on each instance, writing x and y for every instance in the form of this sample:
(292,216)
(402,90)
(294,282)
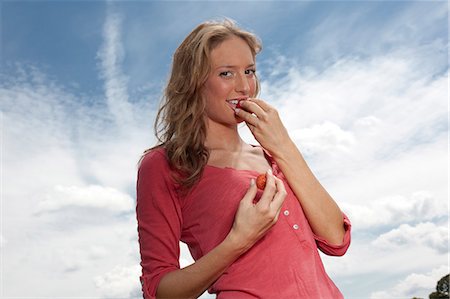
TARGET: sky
(361,86)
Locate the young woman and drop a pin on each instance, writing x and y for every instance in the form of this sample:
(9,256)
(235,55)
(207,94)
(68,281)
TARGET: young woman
(198,185)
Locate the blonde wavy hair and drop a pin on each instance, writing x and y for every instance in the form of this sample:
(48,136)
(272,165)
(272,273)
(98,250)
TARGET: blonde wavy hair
(180,124)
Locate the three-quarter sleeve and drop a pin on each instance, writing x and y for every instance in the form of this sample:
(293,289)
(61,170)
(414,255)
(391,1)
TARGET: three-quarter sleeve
(159,221)
(336,250)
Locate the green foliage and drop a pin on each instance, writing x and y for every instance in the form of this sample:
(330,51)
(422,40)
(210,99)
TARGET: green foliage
(441,289)
(442,285)
(437,295)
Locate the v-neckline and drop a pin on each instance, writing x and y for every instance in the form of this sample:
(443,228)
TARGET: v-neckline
(267,156)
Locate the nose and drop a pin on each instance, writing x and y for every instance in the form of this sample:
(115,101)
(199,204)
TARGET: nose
(242,85)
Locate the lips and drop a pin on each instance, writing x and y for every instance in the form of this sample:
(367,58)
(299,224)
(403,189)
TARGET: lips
(235,103)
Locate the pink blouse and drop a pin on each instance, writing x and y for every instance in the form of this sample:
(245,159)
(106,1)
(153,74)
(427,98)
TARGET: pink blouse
(285,263)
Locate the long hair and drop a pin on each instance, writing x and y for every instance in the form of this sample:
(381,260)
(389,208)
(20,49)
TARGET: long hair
(180,124)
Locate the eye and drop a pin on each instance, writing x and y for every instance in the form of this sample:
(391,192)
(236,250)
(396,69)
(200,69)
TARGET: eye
(226,74)
(250,72)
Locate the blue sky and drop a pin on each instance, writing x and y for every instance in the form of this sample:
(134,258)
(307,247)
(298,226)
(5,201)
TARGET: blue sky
(362,87)
(64,35)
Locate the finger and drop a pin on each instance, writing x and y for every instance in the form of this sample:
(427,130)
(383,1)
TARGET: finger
(280,195)
(261,103)
(251,193)
(269,190)
(253,107)
(249,118)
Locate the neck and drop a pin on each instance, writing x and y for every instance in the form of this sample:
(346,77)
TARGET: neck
(223,138)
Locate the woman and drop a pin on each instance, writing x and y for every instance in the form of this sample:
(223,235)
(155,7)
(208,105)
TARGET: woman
(198,185)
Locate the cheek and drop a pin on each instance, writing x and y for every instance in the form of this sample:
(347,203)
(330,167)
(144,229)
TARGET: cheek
(217,88)
(213,95)
(224,88)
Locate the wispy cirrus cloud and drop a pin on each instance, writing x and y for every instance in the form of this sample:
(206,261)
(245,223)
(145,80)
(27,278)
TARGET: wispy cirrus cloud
(111,55)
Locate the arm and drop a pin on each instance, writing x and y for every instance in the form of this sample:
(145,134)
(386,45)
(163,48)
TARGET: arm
(323,214)
(193,280)
(159,225)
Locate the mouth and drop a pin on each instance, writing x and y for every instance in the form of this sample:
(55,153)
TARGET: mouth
(235,103)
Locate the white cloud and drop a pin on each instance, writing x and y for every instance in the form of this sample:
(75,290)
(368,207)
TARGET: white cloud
(120,282)
(407,237)
(394,210)
(98,197)
(76,259)
(322,138)
(418,285)
(3,241)
(367,125)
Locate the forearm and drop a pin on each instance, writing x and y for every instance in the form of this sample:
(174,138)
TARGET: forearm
(193,280)
(321,210)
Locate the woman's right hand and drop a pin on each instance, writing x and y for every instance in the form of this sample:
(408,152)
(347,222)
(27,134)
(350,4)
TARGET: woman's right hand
(252,221)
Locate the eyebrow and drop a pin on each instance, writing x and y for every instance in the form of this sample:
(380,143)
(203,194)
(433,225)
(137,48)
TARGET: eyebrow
(233,66)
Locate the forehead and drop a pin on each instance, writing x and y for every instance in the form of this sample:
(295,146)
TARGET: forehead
(233,51)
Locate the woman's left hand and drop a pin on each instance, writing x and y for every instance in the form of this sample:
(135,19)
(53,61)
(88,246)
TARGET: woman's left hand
(264,123)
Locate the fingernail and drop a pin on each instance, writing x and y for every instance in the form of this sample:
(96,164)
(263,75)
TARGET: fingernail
(269,171)
(252,182)
(237,110)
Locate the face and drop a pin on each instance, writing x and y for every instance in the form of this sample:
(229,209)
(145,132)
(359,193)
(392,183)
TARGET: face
(232,78)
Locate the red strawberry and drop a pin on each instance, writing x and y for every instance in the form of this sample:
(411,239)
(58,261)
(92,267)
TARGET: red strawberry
(261,181)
